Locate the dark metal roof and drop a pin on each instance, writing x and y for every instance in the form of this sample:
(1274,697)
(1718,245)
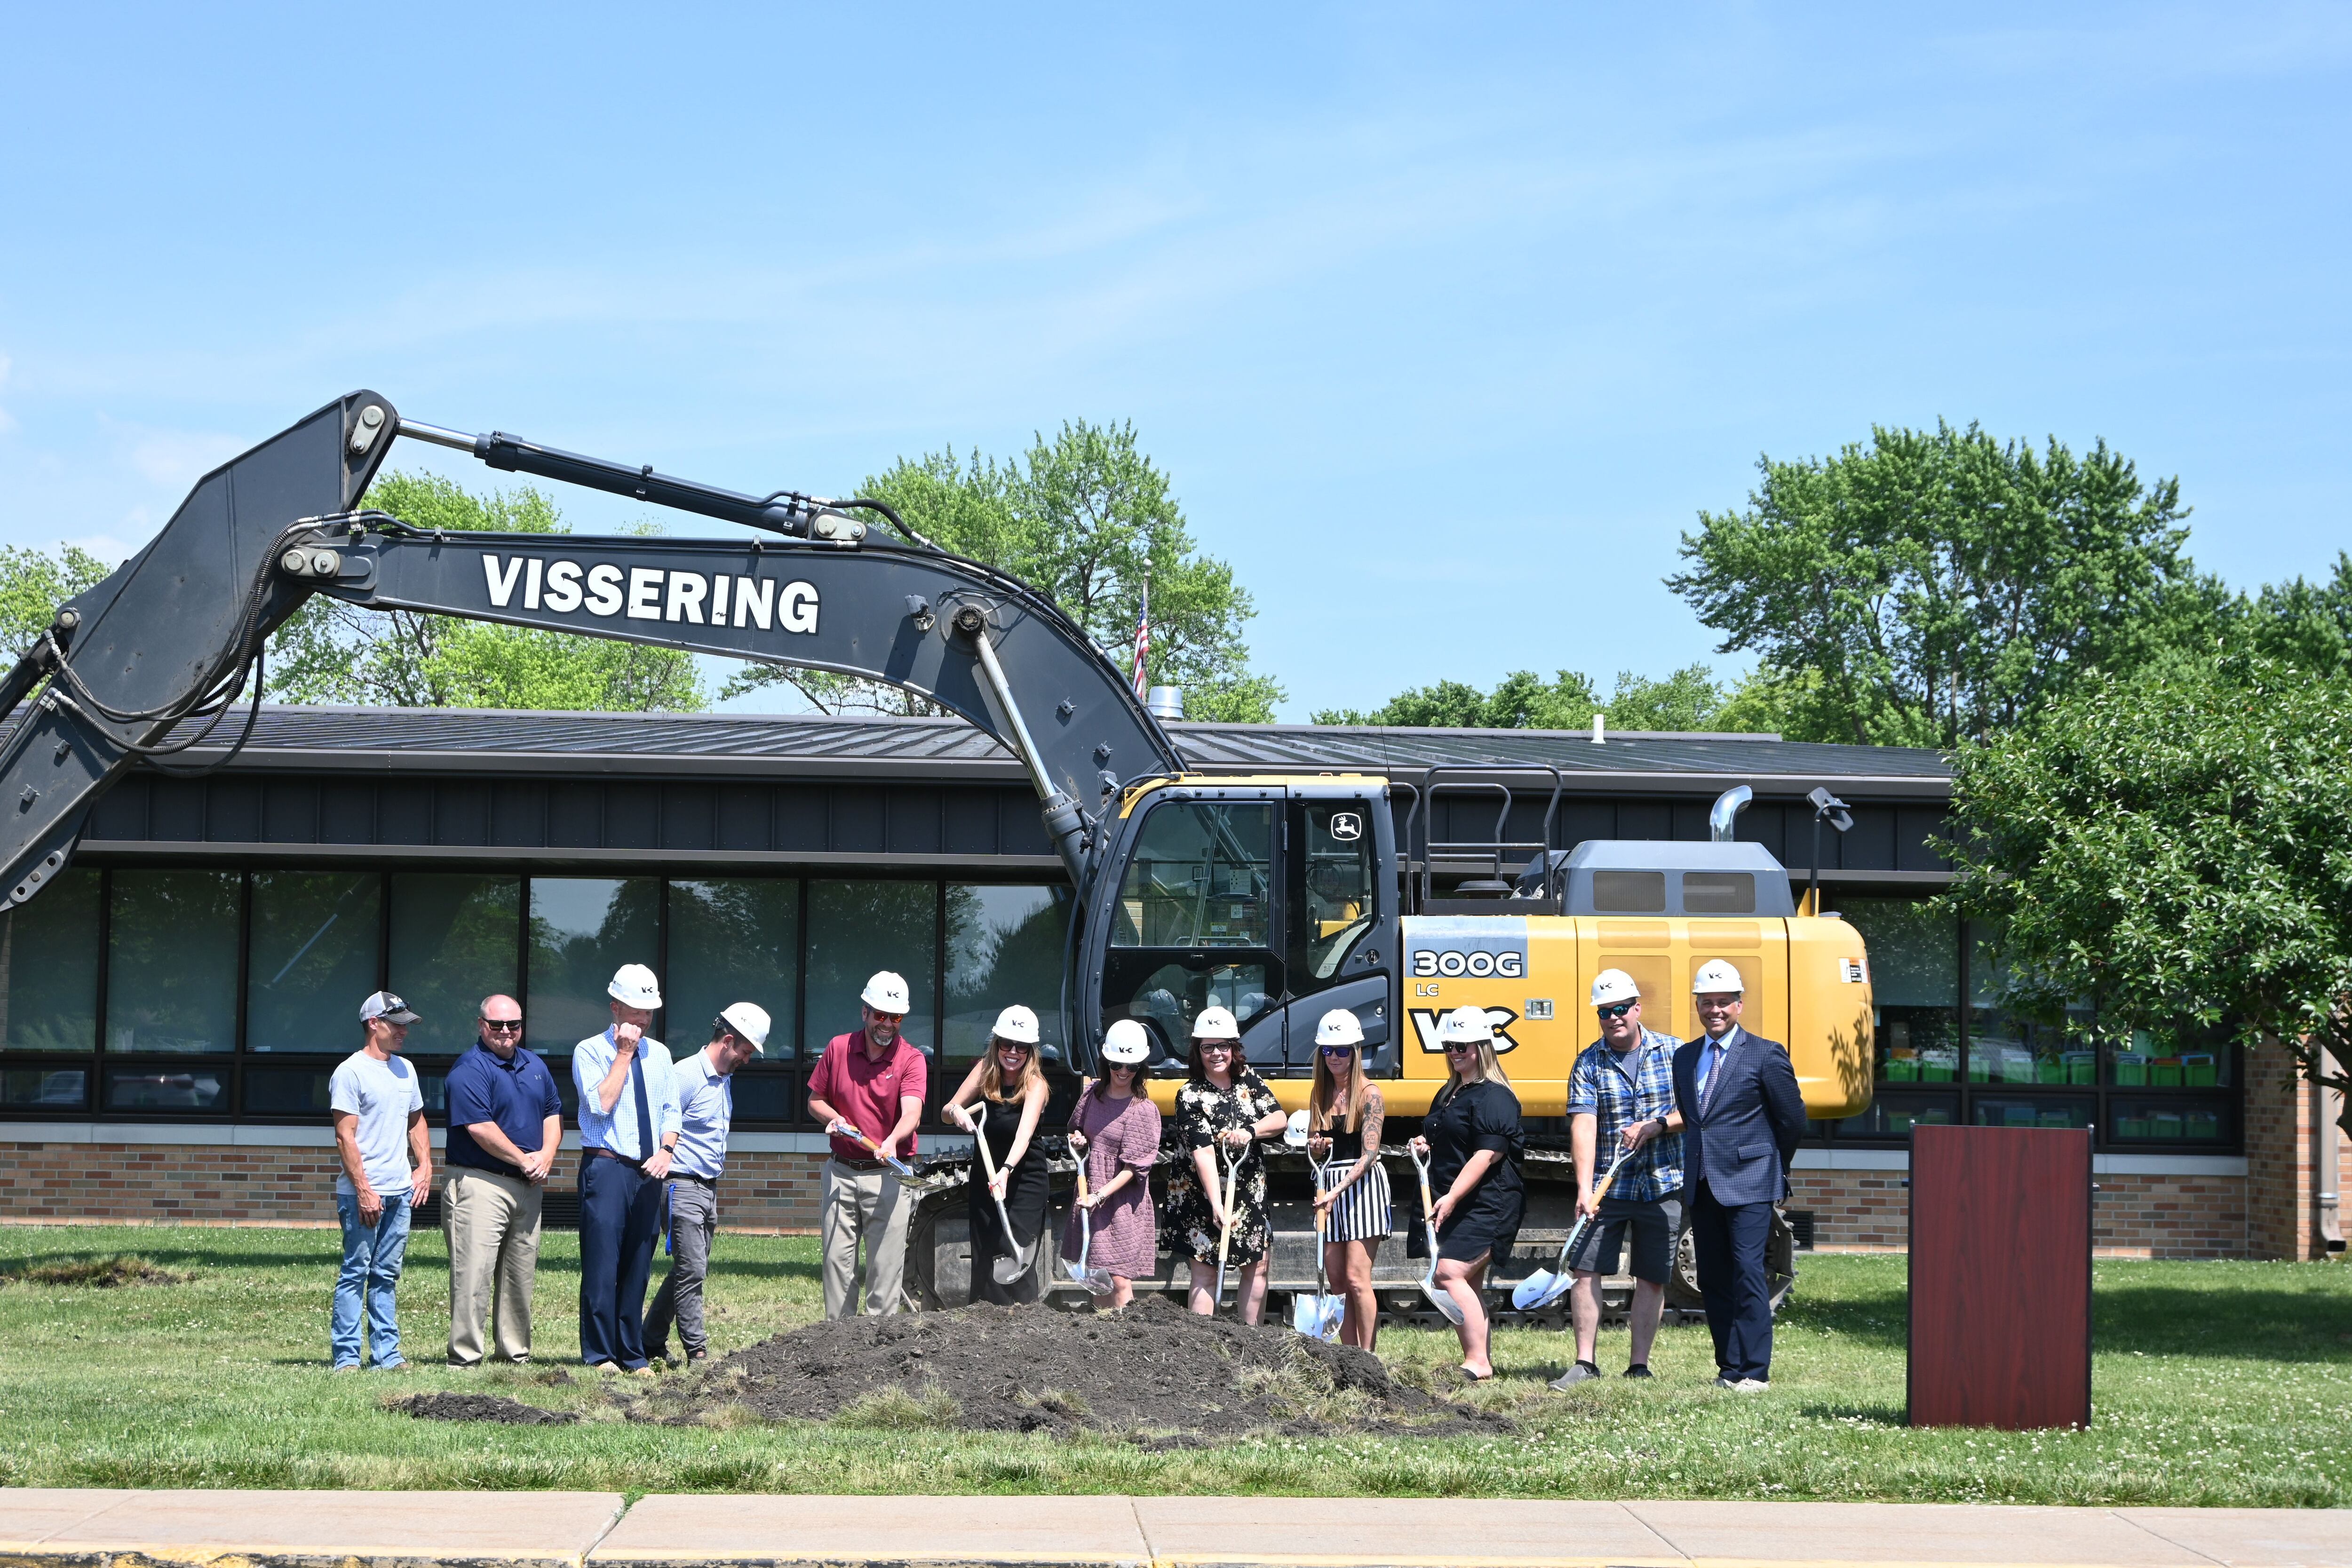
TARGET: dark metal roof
(473,740)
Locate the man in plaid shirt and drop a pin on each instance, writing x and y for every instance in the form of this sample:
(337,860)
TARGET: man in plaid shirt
(1620,1096)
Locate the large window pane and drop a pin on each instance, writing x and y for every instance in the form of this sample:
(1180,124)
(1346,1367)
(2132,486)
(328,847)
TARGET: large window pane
(454,940)
(2006,1048)
(2187,1058)
(856,928)
(2031,1111)
(1915,974)
(48,970)
(2185,1119)
(582,929)
(1201,876)
(171,964)
(1004,945)
(317,938)
(733,939)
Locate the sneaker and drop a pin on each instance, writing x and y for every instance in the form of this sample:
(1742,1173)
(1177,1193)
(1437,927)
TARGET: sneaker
(345,1366)
(1639,1369)
(694,1356)
(645,1371)
(402,1366)
(604,1368)
(1752,1385)
(1727,1382)
(1582,1372)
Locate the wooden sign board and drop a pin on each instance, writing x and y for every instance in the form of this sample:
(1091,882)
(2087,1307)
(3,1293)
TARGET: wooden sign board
(2000,1277)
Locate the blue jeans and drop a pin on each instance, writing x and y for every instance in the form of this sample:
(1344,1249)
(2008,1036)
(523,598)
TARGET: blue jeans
(371,1259)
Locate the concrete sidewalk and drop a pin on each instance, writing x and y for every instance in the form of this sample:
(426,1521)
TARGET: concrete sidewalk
(591,1530)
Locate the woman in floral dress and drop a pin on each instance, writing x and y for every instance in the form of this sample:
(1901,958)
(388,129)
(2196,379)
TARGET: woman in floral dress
(1222,1108)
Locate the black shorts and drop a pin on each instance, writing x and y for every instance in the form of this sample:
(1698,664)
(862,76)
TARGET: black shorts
(1656,1225)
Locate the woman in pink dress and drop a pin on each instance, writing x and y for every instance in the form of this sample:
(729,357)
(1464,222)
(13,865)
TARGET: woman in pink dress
(1115,1128)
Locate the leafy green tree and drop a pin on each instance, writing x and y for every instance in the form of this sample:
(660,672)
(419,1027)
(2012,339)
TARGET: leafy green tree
(1940,585)
(2307,625)
(1690,699)
(1087,519)
(33,584)
(329,651)
(2172,845)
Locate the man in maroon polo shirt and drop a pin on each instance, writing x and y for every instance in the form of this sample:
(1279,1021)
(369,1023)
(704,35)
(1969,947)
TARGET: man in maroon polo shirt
(871,1080)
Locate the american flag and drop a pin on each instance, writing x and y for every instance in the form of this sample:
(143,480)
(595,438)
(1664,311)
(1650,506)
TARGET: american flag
(1142,638)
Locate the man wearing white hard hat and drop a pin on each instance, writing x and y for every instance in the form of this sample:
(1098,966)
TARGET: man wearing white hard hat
(867,1089)
(629,1125)
(1621,1096)
(1742,1116)
(706,1107)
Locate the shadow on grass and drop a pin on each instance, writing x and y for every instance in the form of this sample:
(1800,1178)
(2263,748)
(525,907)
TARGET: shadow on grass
(1868,1415)
(2307,1320)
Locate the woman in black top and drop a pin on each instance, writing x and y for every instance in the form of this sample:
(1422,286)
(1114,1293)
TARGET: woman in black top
(1001,1100)
(1471,1138)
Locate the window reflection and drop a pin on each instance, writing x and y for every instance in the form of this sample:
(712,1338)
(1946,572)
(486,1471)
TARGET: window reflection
(582,929)
(856,928)
(1915,972)
(45,1088)
(171,975)
(166,1089)
(1004,945)
(48,971)
(317,941)
(733,939)
(453,942)
(1201,876)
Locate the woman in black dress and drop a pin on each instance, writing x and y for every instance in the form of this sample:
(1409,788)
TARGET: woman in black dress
(1001,1101)
(1471,1138)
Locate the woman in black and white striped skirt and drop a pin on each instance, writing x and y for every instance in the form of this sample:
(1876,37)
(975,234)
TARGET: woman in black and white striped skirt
(1343,1126)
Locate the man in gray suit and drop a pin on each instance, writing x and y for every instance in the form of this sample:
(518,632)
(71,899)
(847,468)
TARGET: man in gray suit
(1742,1115)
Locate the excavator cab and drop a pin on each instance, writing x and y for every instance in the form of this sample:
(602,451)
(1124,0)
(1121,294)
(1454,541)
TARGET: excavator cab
(1275,898)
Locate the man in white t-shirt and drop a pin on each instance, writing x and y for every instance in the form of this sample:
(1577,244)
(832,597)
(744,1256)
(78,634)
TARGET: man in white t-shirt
(387,1159)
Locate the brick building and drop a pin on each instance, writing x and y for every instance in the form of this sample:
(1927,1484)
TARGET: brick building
(170,1010)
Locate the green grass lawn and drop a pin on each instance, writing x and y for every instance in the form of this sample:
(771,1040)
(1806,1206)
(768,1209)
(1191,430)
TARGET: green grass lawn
(2216,1383)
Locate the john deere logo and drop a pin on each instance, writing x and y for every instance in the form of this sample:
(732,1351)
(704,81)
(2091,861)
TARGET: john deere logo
(1347,826)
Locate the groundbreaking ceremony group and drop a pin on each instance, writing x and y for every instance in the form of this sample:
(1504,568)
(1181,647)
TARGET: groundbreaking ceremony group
(1697,1134)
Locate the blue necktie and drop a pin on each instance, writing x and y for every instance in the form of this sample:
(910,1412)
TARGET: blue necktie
(645,1117)
(1710,1062)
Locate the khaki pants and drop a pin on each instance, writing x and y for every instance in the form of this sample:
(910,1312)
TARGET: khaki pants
(871,1204)
(491,1222)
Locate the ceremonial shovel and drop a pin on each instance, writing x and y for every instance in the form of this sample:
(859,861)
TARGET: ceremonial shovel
(1096,1280)
(1318,1316)
(1546,1286)
(1011,1266)
(1445,1304)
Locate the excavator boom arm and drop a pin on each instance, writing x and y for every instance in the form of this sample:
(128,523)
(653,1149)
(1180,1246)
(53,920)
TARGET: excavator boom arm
(169,638)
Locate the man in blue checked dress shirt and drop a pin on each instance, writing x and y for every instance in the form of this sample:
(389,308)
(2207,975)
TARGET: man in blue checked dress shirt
(1620,1096)
(629,1125)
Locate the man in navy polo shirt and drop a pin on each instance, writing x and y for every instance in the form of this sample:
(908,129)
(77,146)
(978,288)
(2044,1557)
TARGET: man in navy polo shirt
(506,1124)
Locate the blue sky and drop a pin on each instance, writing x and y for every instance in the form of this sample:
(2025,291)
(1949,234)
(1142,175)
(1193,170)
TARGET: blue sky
(1446,321)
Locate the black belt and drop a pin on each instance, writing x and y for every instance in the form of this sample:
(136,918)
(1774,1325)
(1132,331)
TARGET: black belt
(860,1164)
(677,1175)
(604,1154)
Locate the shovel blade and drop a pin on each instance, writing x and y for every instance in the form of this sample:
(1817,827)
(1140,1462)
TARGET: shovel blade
(1317,1317)
(1008,1271)
(1541,1289)
(1445,1304)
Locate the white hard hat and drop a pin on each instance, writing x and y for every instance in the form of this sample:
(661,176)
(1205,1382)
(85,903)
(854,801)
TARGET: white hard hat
(1464,1026)
(1216,1024)
(1294,1131)
(747,1021)
(634,986)
(1127,1043)
(887,993)
(1611,986)
(1716,975)
(1016,1024)
(1339,1028)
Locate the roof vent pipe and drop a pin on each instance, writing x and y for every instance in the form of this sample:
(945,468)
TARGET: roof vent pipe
(1165,702)
(1726,811)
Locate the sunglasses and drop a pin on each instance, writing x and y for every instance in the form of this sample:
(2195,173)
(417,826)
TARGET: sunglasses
(1337,1050)
(1619,1011)
(503,1026)
(1470,1046)
(1226,1046)
(1015,1047)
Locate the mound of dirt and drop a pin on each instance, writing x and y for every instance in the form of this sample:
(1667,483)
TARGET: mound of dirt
(479,1407)
(1153,1372)
(102,1273)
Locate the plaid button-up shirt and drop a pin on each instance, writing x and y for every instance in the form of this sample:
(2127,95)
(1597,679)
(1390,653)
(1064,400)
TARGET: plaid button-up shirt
(1618,1089)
